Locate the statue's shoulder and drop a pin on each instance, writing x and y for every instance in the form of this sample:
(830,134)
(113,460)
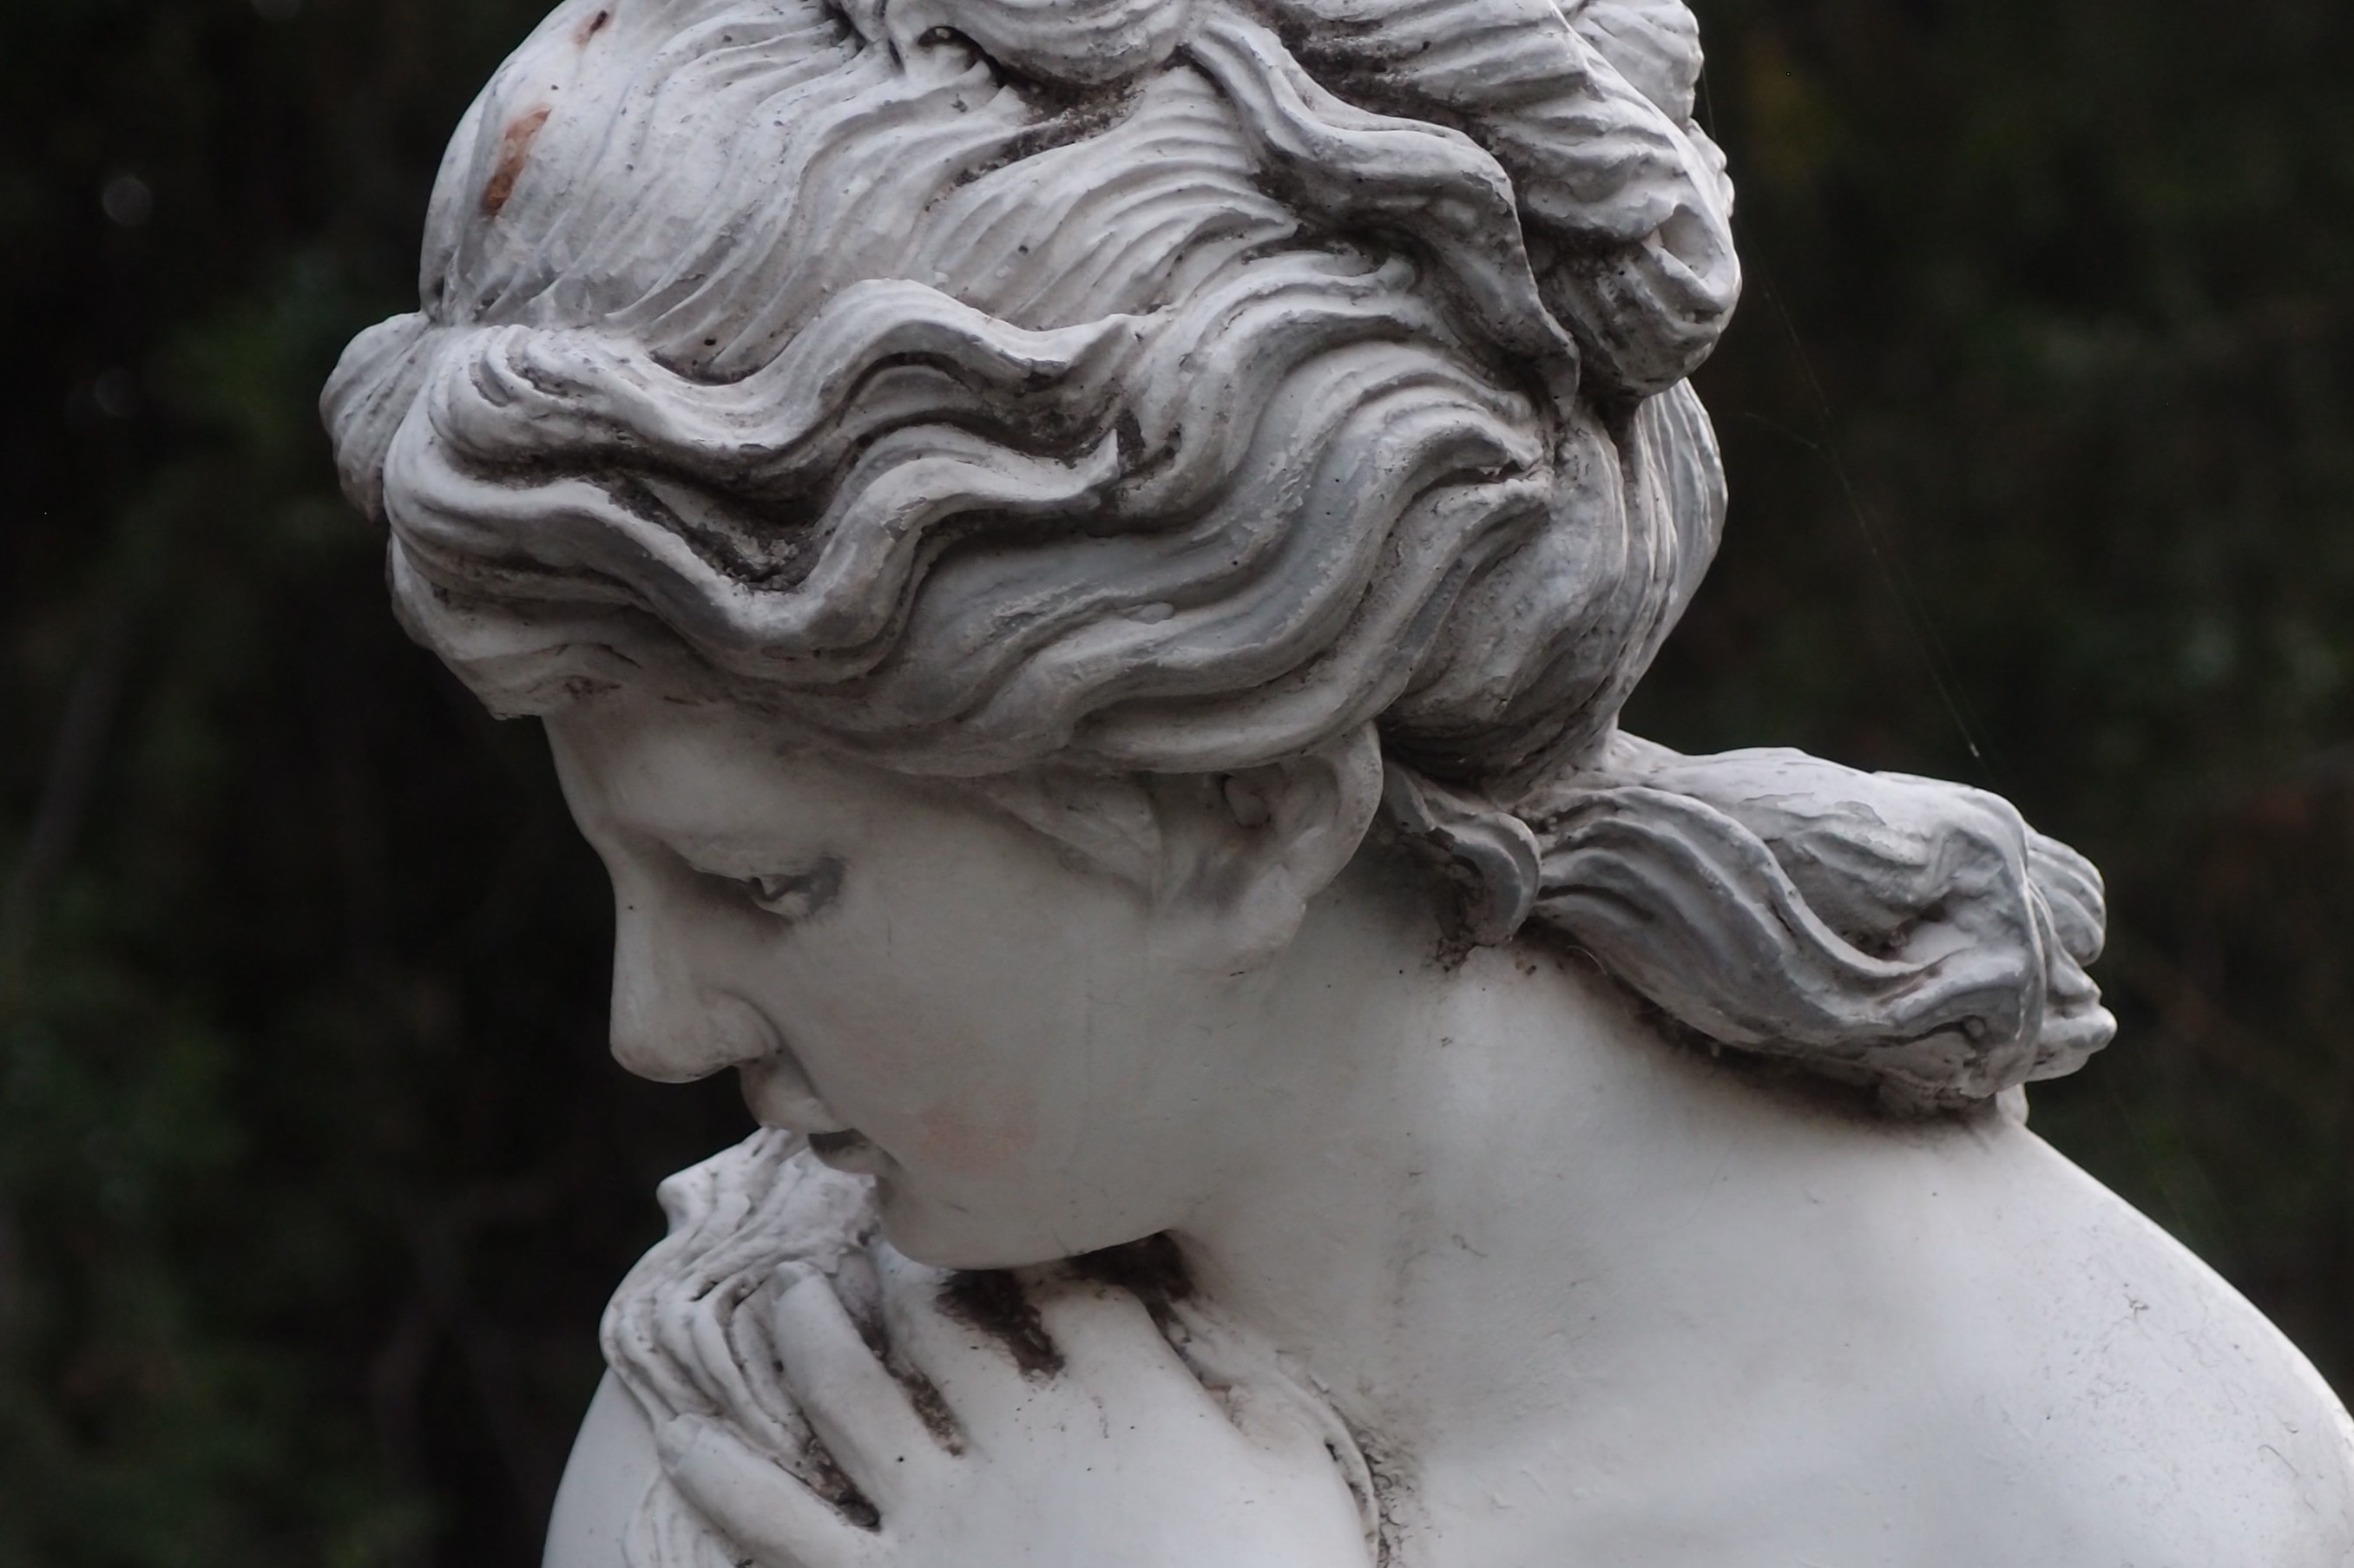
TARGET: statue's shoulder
(2153,1390)
(607,1481)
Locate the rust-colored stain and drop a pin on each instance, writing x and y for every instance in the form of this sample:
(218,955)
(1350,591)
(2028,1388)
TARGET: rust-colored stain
(515,152)
(594,26)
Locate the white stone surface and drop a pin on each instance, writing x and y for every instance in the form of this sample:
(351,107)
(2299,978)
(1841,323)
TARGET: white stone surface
(1579,1295)
(1080,559)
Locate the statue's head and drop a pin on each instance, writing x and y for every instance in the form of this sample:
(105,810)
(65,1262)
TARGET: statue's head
(1178,423)
(1091,430)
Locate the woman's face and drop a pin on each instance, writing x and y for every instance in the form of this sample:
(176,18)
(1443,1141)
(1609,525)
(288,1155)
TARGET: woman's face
(942,997)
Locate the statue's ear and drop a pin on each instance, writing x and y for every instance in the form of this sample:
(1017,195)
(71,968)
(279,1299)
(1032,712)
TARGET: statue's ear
(1242,854)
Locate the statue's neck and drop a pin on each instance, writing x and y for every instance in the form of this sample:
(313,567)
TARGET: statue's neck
(1457,1186)
(1491,1210)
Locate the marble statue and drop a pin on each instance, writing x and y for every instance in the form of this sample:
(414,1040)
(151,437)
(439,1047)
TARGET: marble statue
(1080,560)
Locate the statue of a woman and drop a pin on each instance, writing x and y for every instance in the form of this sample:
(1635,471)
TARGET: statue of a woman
(1080,559)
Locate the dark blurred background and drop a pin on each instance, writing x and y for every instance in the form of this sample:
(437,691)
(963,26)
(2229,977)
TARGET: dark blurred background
(313,1174)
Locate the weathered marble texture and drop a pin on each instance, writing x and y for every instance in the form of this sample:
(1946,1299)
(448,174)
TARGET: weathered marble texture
(1082,558)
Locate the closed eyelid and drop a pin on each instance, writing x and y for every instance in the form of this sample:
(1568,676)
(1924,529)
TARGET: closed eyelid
(795,896)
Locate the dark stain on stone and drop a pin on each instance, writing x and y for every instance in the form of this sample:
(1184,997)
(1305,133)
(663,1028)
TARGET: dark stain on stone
(827,1480)
(993,1302)
(1151,1270)
(930,1408)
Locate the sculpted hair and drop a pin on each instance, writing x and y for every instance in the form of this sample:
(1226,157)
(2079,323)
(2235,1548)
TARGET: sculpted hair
(985,385)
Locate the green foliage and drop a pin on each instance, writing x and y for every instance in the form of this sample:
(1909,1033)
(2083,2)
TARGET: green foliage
(313,1173)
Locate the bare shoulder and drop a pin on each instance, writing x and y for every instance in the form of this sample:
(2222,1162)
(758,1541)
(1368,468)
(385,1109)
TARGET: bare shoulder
(2143,1387)
(614,1463)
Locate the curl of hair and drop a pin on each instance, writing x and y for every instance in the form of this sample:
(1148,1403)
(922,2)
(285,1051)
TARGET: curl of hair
(1175,427)
(1902,932)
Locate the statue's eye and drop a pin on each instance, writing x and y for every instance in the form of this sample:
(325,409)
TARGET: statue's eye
(796,895)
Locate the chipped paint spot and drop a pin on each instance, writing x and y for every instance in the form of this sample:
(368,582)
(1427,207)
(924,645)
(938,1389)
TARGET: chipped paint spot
(515,152)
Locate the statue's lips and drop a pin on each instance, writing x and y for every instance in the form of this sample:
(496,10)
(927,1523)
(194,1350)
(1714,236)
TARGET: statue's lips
(778,1093)
(850,1150)
(779,1096)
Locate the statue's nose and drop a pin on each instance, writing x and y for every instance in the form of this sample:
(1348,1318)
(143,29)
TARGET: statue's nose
(670,1021)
